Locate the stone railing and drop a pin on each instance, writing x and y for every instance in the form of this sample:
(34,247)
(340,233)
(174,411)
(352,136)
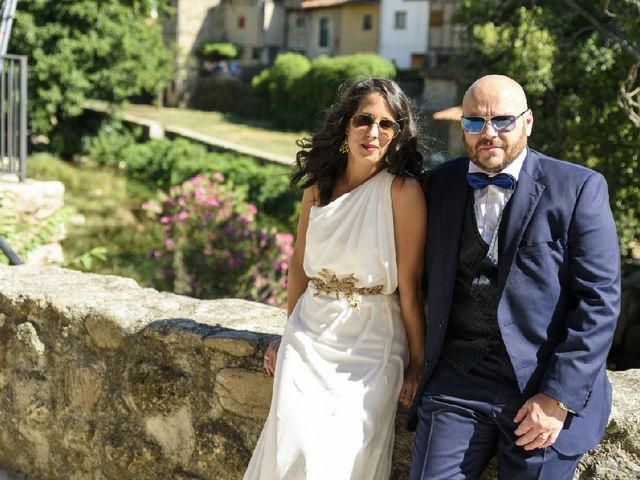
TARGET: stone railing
(102,379)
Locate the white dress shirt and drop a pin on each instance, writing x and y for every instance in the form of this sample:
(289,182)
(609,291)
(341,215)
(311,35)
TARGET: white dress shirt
(490,201)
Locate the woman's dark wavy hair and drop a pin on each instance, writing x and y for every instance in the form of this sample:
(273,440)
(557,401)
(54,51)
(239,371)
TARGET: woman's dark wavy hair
(319,162)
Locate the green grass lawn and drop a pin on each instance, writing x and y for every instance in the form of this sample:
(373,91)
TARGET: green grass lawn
(248,133)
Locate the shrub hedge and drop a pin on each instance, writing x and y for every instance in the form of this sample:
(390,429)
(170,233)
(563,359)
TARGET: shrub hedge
(298,90)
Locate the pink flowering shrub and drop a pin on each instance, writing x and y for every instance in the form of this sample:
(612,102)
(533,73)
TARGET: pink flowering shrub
(212,247)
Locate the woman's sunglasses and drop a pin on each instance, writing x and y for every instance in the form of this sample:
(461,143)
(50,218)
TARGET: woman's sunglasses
(500,123)
(387,127)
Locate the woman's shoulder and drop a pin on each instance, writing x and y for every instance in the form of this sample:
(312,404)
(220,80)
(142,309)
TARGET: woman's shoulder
(406,188)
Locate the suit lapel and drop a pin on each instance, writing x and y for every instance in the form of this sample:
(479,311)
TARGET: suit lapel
(451,218)
(518,213)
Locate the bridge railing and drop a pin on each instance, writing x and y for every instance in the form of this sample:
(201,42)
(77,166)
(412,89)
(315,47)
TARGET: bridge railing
(13,115)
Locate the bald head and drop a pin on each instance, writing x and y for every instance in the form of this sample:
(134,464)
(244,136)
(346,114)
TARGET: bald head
(496,97)
(493,90)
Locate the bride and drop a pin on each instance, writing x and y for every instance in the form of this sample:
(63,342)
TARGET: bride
(353,343)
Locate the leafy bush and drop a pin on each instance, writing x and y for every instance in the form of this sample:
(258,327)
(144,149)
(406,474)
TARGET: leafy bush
(297,90)
(156,161)
(107,145)
(281,84)
(266,186)
(170,162)
(212,247)
(217,51)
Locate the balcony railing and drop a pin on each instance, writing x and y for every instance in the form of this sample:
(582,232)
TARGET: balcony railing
(13,115)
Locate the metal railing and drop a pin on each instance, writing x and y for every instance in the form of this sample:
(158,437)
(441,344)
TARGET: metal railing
(14,259)
(13,115)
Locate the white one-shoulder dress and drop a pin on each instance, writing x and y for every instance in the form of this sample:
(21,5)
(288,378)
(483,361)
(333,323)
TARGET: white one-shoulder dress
(343,353)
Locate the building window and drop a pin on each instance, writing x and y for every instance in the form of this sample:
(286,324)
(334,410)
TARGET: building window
(323,37)
(401,20)
(418,60)
(436,18)
(256,53)
(367,22)
(300,21)
(241,21)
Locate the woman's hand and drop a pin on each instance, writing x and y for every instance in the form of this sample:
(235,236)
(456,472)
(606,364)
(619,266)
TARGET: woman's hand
(410,385)
(269,360)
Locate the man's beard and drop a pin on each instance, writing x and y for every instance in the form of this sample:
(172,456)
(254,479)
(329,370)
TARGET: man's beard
(511,151)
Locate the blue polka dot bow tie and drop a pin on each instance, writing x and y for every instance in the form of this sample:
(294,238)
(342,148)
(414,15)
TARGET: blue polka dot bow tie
(482,180)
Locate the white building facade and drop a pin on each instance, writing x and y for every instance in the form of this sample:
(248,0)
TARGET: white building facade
(404,32)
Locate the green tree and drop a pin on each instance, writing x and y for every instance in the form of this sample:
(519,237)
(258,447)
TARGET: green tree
(107,50)
(579,66)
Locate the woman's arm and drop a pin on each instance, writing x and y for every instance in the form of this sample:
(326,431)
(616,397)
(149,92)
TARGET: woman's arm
(297,280)
(410,228)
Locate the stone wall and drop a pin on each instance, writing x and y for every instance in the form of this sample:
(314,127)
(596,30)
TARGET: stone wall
(101,379)
(35,203)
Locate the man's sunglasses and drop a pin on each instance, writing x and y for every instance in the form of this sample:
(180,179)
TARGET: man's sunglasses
(500,123)
(387,127)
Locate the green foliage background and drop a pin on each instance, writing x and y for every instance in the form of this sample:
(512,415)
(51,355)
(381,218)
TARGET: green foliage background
(298,90)
(107,50)
(164,163)
(572,74)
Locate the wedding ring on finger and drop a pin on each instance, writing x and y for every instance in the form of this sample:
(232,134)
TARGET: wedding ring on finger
(543,436)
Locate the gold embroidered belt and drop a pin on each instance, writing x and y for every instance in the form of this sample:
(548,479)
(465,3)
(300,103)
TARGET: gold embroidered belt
(329,283)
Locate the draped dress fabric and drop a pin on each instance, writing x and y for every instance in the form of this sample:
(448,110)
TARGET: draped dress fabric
(339,368)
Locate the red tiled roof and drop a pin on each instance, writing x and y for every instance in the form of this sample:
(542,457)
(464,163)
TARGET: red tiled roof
(331,3)
(451,113)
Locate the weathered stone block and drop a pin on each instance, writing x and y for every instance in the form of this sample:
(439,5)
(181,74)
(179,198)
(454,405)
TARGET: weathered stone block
(244,392)
(175,434)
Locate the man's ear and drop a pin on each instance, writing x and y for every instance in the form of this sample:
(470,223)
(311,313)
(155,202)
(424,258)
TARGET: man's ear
(528,121)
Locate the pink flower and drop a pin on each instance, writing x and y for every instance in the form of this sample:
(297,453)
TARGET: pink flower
(218,177)
(235,262)
(165,219)
(182,216)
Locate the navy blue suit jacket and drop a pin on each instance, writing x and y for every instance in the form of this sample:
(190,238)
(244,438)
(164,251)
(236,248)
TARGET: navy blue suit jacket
(559,284)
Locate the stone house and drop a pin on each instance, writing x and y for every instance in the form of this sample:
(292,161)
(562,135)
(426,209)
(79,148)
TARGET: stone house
(340,27)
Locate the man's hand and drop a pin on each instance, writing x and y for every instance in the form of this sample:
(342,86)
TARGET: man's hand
(539,421)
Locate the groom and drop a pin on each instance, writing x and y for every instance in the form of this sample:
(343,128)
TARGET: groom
(523,290)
